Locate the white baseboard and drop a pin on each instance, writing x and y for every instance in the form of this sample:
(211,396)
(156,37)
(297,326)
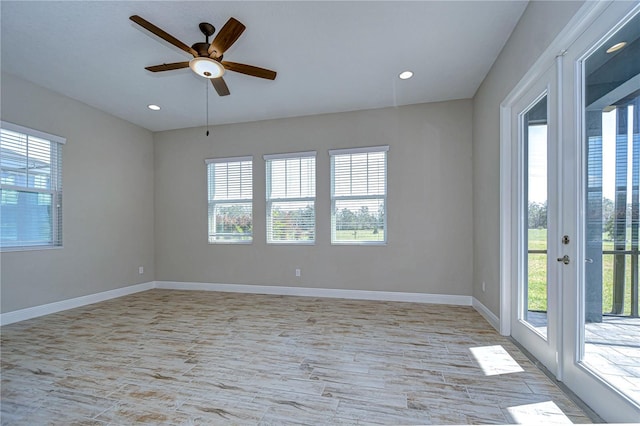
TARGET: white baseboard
(63,305)
(487,314)
(391,296)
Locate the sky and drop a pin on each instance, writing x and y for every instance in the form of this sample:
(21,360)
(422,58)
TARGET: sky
(538,158)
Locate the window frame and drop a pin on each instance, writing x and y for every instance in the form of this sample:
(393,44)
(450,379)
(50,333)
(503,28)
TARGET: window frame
(211,202)
(269,201)
(333,153)
(55,191)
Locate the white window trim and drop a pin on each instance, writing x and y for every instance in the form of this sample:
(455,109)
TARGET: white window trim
(343,151)
(228,159)
(209,161)
(35,247)
(269,201)
(361,150)
(304,154)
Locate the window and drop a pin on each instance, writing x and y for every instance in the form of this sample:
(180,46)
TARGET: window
(359,195)
(30,188)
(291,198)
(230,196)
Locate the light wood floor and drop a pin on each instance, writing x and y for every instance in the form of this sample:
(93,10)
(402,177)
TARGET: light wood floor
(178,357)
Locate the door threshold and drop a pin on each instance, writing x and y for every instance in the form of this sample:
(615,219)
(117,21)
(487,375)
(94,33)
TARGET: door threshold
(593,416)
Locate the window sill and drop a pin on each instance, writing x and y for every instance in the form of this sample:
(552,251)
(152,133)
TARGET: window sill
(28,248)
(214,243)
(356,243)
(291,243)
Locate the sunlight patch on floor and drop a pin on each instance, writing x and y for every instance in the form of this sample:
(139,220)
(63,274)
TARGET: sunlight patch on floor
(542,413)
(495,360)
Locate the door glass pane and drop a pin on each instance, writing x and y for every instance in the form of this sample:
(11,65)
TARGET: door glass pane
(610,343)
(534,292)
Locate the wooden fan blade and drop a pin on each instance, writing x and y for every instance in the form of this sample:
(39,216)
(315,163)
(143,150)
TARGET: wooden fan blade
(227,35)
(163,34)
(220,86)
(168,67)
(250,70)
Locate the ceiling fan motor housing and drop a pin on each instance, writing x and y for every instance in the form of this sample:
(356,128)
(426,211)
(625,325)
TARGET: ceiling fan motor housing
(201,48)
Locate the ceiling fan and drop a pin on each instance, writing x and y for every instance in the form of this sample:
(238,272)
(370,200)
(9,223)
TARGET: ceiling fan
(207,58)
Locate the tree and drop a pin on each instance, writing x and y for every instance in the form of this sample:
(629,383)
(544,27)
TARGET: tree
(365,220)
(346,220)
(381,215)
(609,215)
(608,209)
(537,215)
(292,224)
(233,219)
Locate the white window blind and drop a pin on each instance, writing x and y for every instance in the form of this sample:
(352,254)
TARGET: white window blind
(359,195)
(30,188)
(230,196)
(291,198)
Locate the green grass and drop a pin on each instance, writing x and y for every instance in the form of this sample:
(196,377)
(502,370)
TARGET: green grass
(360,235)
(537,264)
(537,282)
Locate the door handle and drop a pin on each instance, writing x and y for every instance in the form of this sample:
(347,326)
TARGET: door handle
(564,259)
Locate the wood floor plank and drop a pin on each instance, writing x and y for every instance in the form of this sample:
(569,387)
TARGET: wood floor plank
(188,357)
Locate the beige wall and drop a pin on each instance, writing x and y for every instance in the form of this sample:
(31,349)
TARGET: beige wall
(443,208)
(429,202)
(539,25)
(108,202)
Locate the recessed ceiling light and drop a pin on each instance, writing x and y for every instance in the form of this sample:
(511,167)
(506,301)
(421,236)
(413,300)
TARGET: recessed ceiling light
(616,47)
(405,75)
(153,107)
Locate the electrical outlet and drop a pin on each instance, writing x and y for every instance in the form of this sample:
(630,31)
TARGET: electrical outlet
(484,287)
(297,272)
(141,270)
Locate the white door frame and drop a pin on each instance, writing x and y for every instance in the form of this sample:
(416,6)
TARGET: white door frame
(571,371)
(544,348)
(580,21)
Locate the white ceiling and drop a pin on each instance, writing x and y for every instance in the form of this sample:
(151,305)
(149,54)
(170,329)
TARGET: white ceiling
(330,56)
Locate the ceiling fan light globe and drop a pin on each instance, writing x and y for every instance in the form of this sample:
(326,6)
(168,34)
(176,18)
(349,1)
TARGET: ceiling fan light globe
(206,67)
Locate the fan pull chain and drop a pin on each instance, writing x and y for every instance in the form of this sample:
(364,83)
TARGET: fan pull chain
(207,94)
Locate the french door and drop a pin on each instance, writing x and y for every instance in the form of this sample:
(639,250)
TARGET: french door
(601,115)
(574,227)
(534,305)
